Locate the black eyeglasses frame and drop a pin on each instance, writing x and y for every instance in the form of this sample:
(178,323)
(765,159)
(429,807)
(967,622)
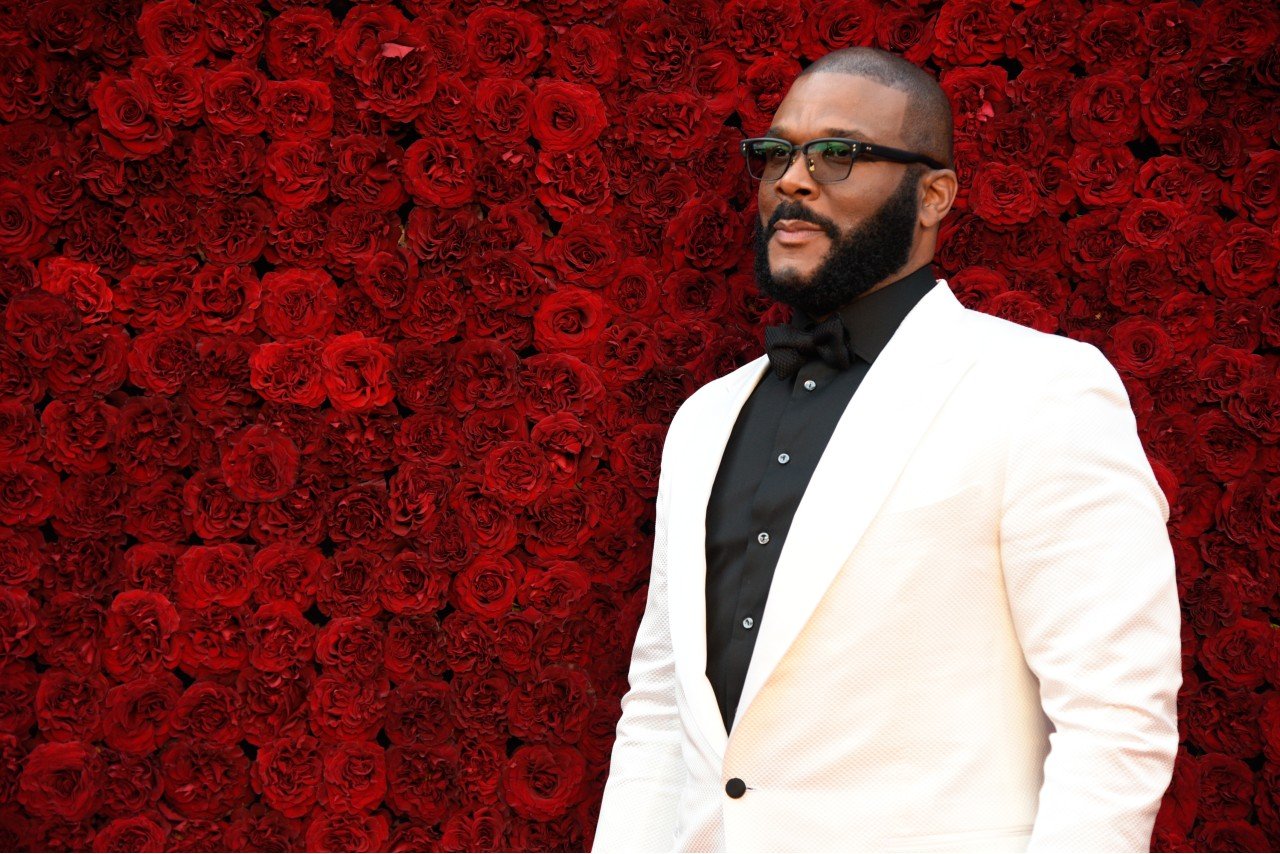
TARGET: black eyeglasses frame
(857,147)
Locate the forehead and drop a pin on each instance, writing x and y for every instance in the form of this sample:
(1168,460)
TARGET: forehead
(826,101)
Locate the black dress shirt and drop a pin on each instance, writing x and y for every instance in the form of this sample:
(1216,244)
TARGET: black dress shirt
(780,434)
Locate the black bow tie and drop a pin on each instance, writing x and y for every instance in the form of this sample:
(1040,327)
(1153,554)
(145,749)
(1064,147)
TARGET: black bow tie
(790,348)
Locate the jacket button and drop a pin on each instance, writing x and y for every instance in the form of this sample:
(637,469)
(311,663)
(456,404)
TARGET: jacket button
(735,788)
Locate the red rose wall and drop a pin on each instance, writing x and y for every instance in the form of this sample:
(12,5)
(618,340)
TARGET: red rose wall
(340,342)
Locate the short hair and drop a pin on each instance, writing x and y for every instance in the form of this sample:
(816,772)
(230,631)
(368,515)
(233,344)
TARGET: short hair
(927,127)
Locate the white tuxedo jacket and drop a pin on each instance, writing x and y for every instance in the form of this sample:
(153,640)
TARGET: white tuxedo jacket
(971,641)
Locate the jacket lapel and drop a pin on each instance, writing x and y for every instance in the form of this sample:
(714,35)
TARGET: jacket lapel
(710,418)
(885,420)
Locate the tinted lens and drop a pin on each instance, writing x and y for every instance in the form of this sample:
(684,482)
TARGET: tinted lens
(831,160)
(767,160)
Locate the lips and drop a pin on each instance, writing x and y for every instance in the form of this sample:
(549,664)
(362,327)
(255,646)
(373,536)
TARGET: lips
(796,232)
(796,226)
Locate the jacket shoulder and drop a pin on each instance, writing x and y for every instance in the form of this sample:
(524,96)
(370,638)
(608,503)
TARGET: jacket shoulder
(1018,350)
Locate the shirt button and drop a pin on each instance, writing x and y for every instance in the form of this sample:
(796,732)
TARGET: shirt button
(735,788)
(763,538)
(810,385)
(748,623)
(784,458)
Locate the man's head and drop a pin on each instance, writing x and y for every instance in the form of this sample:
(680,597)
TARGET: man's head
(821,245)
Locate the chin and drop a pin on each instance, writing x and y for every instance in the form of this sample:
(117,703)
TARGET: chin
(790,276)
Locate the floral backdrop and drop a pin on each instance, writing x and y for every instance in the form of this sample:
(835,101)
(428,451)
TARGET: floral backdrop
(340,340)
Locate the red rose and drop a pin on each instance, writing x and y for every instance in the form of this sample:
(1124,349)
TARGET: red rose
(259,828)
(22,233)
(1141,347)
(297,109)
(1243,655)
(173,29)
(347,585)
(1256,188)
(137,716)
(906,29)
(552,704)
(569,320)
(566,116)
(343,708)
(555,382)
(1236,835)
(22,554)
(1003,195)
(572,183)
(487,587)
(832,27)
(505,42)
(440,171)
(161,361)
(330,831)
(412,585)
(173,89)
(289,372)
(133,833)
(299,43)
(356,372)
(18,697)
(61,780)
(1171,102)
(969,32)
(419,713)
(140,636)
(219,574)
(391,58)
(234,232)
(1111,37)
(502,111)
(213,640)
(233,96)
(130,128)
(706,234)
(280,637)
(351,646)
(1223,721)
(39,323)
(1246,260)
(755,28)
(355,777)
(1226,788)
(286,572)
(69,706)
(261,465)
(204,780)
(542,782)
(296,172)
(585,52)
(362,171)
(225,299)
(1104,108)
(287,773)
(419,780)
(275,704)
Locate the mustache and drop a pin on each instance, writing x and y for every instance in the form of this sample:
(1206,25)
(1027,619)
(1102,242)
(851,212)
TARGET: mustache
(797,211)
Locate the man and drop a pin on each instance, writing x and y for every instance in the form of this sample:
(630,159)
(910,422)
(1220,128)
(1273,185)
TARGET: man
(911,585)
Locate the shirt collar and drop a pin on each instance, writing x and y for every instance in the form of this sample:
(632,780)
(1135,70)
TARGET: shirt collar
(871,320)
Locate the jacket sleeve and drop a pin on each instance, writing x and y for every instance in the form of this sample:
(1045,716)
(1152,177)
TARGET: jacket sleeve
(1089,570)
(647,773)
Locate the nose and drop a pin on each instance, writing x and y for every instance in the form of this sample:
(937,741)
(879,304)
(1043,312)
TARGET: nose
(797,181)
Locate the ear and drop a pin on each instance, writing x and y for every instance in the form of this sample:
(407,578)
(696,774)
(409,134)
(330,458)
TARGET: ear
(938,193)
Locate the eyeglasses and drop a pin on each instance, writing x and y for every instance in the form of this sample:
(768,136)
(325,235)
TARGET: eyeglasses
(829,159)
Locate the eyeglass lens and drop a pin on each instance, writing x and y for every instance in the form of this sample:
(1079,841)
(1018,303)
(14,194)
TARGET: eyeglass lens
(768,160)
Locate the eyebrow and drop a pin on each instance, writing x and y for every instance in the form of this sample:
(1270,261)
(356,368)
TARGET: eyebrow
(846,133)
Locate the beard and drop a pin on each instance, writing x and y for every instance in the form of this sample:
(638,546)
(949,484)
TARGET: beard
(855,263)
